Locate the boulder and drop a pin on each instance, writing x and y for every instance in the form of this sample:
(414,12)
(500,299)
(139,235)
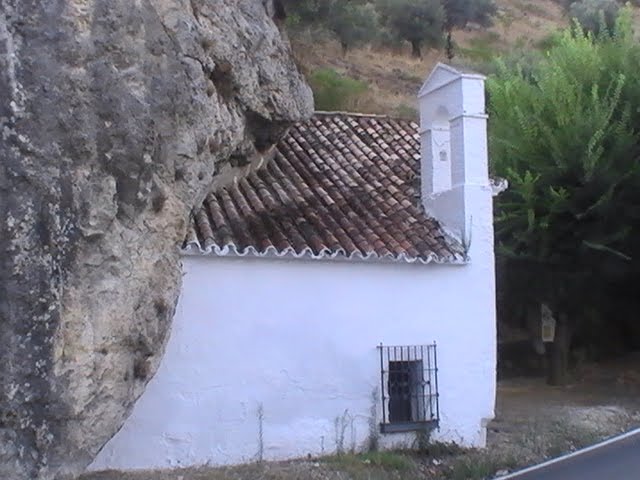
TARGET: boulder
(115,116)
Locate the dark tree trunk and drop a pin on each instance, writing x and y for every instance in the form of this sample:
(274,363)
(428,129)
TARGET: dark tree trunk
(449,47)
(558,365)
(345,47)
(416,49)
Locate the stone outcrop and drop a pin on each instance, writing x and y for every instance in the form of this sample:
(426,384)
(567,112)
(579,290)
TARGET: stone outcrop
(115,116)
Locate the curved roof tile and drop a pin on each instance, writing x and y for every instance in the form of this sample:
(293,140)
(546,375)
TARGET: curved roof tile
(340,186)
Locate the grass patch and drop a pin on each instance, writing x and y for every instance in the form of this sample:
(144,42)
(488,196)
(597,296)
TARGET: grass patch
(406,112)
(442,449)
(390,461)
(479,465)
(568,438)
(505,19)
(520,43)
(333,91)
(478,54)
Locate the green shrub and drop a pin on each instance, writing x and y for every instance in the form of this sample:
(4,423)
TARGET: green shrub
(549,41)
(563,132)
(482,48)
(459,13)
(389,461)
(407,112)
(333,91)
(479,465)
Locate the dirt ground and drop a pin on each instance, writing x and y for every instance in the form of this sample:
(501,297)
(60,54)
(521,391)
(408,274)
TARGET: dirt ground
(533,422)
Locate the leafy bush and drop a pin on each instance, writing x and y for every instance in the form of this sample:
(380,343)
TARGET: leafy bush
(333,91)
(352,22)
(563,136)
(458,13)
(549,41)
(563,131)
(481,48)
(407,112)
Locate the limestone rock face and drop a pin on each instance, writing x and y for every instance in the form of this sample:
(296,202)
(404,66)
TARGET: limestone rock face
(115,116)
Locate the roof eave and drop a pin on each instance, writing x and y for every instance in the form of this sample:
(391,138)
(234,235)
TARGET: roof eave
(230,250)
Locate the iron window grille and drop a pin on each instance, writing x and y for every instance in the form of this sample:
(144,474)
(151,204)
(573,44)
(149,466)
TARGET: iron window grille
(409,388)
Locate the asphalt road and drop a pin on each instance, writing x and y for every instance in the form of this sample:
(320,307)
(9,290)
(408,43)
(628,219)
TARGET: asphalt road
(615,459)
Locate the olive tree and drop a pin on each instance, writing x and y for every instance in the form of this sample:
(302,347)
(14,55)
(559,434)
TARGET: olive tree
(419,22)
(352,23)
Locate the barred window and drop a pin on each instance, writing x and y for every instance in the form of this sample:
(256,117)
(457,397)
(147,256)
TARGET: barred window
(409,386)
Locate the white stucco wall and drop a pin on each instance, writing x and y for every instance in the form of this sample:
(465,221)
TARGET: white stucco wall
(298,338)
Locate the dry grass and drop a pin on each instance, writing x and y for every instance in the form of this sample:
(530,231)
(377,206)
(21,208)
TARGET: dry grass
(393,77)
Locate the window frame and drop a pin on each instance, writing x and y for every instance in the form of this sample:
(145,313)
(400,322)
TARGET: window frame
(419,362)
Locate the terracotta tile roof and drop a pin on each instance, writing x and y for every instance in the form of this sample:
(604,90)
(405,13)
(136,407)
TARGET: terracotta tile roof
(340,185)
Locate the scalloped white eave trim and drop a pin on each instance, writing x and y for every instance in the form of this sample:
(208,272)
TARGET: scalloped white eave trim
(230,250)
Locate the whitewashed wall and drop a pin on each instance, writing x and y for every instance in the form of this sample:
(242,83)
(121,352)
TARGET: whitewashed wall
(299,338)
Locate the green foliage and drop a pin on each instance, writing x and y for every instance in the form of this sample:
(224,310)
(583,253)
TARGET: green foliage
(595,16)
(419,22)
(389,461)
(563,132)
(458,13)
(478,465)
(549,41)
(351,23)
(481,48)
(407,112)
(334,92)
(305,12)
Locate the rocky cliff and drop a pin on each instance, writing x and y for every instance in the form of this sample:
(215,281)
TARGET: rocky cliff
(115,116)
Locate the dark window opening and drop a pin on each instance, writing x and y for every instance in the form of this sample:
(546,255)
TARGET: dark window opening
(409,388)
(406,391)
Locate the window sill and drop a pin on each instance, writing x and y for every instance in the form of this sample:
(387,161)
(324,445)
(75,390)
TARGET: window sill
(400,427)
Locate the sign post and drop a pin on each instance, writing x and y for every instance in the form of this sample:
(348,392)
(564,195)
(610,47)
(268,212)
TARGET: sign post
(548,324)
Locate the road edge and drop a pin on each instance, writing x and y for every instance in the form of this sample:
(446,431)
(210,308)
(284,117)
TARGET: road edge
(568,456)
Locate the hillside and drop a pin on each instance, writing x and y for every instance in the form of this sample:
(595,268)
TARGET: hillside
(392,77)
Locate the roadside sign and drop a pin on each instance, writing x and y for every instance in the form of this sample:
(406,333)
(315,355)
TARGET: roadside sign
(548,324)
